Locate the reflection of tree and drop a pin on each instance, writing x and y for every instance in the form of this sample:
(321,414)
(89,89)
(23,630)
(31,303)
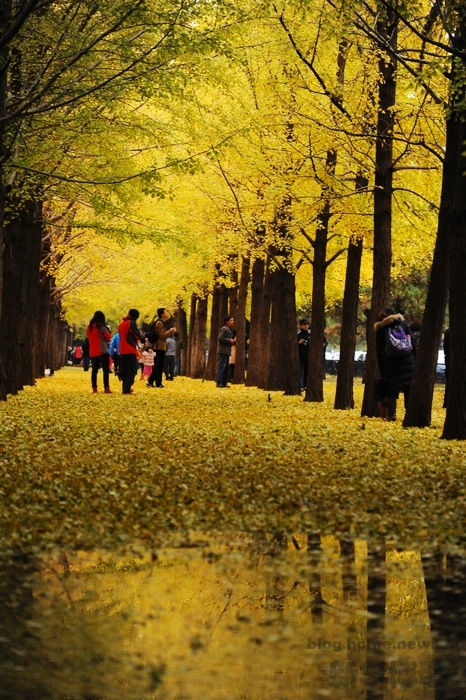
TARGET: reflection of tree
(376,604)
(348,567)
(19,646)
(275,592)
(315,584)
(445,579)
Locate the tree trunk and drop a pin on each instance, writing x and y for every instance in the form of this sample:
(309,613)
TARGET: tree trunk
(277,354)
(315,373)
(233,295)
(192,323)
(283,365)
(5,19)
(240,323)
(455,421)
(316,367)
(198,358)
(419,411)
(21,260)
(344,397)
(264,330)
(386,27)
(182,328)
(42,324)
(256,348)
(223,305)
(211,368)
(283,359)
(32,238)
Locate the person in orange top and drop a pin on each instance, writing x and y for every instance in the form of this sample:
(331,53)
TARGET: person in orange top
(130,336)
(99,334)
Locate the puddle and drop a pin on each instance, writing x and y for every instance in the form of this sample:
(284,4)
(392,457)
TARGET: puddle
(240,618)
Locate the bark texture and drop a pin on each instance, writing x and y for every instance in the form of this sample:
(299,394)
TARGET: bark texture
(383,189)
(344,397)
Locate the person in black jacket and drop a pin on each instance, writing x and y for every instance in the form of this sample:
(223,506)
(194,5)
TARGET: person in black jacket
(397,367)
(304,337)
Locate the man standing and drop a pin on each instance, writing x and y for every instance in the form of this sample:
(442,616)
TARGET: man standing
(159,344)
(129,337)
(304,336)
(225,341)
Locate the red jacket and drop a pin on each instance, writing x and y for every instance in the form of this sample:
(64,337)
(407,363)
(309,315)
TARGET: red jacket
(98,340)
(129,336)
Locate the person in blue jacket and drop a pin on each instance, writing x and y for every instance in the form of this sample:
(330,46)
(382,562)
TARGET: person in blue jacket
(115,351)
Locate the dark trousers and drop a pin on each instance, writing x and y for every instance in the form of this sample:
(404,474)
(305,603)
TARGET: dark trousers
(391,400)
(128,370)
(116,362)
(98,362)
(169,366)
(222,369)
(303,365)
(86,362)
(156,374)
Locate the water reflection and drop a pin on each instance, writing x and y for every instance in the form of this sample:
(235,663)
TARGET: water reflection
(241,617)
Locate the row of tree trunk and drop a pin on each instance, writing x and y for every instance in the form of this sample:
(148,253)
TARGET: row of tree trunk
(270,346)
(33,335)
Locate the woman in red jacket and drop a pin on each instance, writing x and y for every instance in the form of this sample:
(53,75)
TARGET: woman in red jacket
(99,336)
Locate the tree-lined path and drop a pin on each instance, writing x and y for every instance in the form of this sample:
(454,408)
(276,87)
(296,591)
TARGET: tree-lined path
(81,470)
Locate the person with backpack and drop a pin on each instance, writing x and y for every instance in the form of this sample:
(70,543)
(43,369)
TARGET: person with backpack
(98,334)
(158,336)
(395,357)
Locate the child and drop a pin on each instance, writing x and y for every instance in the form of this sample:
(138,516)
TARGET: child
(148,357)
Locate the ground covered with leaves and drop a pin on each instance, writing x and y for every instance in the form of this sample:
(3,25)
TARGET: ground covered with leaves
(81,470)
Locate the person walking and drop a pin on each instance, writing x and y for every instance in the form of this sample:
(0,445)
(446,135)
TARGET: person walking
(395,357)
(304,337)
(98,335)
(130,335)
(225,342)
(158,337)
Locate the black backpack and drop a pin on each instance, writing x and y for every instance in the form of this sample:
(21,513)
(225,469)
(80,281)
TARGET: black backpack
(152,334)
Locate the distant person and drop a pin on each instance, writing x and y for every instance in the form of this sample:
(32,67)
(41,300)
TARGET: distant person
(446,351)
(158,340)
(178,349)
(130,336)
(304,337)
(395,357)
(225,343)
(86,357)
(169,361)
(115,352)
(98,334)
(78,355)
